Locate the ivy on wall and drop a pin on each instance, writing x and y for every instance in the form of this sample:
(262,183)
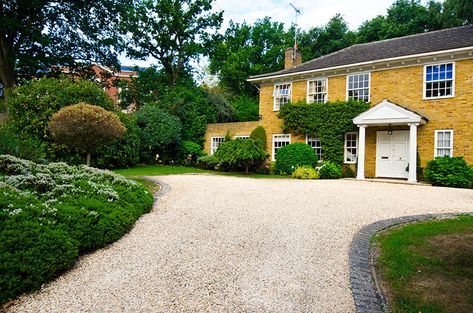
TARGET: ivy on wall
(330,120)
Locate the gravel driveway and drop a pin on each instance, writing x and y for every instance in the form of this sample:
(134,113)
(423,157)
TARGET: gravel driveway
(225,244)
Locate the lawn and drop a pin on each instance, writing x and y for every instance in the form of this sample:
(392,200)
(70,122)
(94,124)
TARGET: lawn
(158,170)
(428,267)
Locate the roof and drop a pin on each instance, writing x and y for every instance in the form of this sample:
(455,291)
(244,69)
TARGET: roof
(435,41)
(387,112)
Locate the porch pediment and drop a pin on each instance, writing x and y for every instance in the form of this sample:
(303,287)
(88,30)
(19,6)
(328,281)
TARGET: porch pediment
(388,113)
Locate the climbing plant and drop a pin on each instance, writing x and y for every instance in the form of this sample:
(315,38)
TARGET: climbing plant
(330,120)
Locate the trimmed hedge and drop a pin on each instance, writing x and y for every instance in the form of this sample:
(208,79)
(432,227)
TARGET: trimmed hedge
(49,214)
(291,156)
(449,172)
(259,135)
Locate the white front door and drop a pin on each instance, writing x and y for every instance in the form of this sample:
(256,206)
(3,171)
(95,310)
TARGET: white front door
(392,154)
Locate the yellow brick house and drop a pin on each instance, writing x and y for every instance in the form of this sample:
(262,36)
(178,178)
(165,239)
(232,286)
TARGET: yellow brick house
(421,92)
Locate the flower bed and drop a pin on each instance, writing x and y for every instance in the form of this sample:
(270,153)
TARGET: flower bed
(49,214)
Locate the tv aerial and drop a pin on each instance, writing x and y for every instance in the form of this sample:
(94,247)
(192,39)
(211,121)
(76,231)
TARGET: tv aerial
(298,12)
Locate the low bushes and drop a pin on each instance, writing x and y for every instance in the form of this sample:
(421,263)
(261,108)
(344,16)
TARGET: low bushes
(291,156)
(49,214)
(305,172)
(243,153)
(449,172)
(330,170)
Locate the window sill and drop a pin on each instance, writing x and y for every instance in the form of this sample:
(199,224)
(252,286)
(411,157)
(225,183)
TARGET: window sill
(345,162)
(438,98)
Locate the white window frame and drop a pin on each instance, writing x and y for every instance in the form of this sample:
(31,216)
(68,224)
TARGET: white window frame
(242,137)
(437,131)
(275,136)
(289,96)
(313,136)
(308,89)
(369,84)
(213,147)
(424,90)
(345,148)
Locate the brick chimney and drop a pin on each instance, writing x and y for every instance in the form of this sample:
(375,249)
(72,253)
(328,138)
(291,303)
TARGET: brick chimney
(292,57)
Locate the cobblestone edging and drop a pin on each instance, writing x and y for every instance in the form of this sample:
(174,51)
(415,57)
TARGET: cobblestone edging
(163,187)
(367,296)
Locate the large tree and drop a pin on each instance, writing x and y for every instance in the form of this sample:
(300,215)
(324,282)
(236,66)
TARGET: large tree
(36,36)
(172,31)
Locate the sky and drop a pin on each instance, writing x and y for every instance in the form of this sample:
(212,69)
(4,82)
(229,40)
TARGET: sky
(314,13)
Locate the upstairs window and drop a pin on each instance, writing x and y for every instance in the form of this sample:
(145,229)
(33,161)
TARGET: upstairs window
(317,91)
(281,95)
(314,141)
(215,143)
(444,142)
(280,141)
(242,137)
(439,80)
(351,147)
(358,87)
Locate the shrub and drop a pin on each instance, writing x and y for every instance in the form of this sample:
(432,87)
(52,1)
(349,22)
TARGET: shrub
(330,170)
(347,171)
(450,172)
(31,105)
(291,156)
(259,135)
(85,127)
(246,109)
(190,152)
(224,112)
(122,152)
(160,133)
(305,172)
(208,162)
(51,213)
(26,148)
(240,153)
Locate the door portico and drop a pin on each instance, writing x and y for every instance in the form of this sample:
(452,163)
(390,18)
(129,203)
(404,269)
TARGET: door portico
(395,150)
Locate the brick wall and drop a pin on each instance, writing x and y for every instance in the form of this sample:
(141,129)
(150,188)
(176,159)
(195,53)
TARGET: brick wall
(234,129)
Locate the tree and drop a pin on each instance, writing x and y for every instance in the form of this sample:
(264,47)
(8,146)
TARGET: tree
(457,12)
(85,127)
(172,31)
(36,36)
(246,50)
(240,152)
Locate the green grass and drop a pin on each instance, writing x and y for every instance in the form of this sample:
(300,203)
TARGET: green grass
(158,170)
(428,267)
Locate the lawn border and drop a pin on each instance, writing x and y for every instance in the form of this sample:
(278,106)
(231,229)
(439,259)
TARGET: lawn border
(366,293)
(163,187)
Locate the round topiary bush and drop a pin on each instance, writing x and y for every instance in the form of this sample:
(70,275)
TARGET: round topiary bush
(449,172)
(291,156)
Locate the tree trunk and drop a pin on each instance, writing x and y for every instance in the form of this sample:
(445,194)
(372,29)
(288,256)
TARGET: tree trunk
(246,168)
(88,158)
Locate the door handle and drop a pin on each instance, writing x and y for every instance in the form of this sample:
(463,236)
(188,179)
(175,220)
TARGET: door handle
(384,158)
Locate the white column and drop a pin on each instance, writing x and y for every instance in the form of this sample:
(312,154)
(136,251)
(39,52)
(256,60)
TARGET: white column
(361,152)
(413,153)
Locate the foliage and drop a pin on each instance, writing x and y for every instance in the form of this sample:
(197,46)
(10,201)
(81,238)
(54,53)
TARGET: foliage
(224,111)
(240,153)
(263,43)
(160,133)
(259,136)
(190,152)
(28,148)
(449,172)
(85,127)
(330,170)
(246,108)
(426,266)
(32,104)
(36,36)
(172,31)
(51,213)
(305,172)
(122,152)
(347,171)
(329,120)
(208,162)
(289,157)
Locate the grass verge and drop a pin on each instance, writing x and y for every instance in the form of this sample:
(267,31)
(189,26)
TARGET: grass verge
(428,267)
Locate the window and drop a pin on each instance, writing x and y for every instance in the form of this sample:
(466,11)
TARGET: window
(439,80)
(443,142)
(358,87)
(215,142)
(351,147)
(242,137)
(281,95)
(314,142)
(317,91)
(280,141)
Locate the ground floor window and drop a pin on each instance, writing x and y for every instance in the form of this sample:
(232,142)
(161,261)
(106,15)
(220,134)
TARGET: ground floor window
(215,143)
(351,147)
(444,142)
(280,141)
(314,141)
(242,137)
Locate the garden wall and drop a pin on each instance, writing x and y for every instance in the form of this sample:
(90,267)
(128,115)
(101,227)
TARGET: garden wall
(234,129)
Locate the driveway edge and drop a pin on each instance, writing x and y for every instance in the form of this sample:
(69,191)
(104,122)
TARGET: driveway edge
(366,294)
(164,188)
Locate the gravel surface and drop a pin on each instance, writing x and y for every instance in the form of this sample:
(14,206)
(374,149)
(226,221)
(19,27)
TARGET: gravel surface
(225,244)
